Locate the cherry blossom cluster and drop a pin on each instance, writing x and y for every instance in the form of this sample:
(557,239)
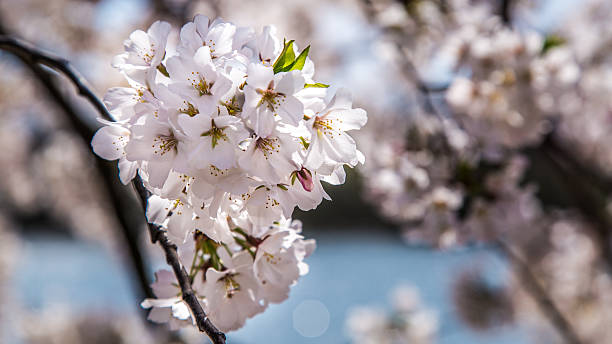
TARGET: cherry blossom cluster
(460,176)
(410,321)
(229,132)
(511,147)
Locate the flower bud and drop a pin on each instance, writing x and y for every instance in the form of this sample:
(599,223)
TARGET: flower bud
(305,179)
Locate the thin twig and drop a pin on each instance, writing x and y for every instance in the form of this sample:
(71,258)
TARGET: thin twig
(589,191)
(108,173)
(159,235)
(505,11)
(33,58)
(540,296)
(543,300)
(32,55)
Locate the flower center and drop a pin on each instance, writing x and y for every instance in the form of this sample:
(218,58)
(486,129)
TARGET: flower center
(215,134)
(231,286)
(189,110)
(268,96)
(200,84)
(268,145)
(162,144)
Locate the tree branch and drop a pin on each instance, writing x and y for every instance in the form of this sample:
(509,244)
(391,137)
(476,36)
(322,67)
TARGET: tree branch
(159,235)
(505,11)
(33,58)
(539,295)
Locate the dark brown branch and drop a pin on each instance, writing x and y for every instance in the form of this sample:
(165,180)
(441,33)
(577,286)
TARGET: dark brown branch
(505,11)
(118,202)
(33,57)
(539,295)
(589,192)
(159,235)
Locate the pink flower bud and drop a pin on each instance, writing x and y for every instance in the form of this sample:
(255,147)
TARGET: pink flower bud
(305,179)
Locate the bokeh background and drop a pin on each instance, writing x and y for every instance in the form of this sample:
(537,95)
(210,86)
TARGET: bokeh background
(68,274)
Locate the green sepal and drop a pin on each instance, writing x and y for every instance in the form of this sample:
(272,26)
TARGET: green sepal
(304,142)
(298,64)
(287,61)
(286,57)
(551,42)
(318,85)
(162,69)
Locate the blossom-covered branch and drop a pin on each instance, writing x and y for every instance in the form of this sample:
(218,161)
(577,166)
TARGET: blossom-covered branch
(540,296)
(158,235)
(227,133)
(516,149)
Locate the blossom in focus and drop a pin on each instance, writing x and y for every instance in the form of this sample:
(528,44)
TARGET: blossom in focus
(229,133)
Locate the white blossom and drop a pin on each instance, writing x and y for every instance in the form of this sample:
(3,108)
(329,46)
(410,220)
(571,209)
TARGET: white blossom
(217,131)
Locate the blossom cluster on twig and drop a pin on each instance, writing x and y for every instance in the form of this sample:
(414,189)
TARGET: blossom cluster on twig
(229,133)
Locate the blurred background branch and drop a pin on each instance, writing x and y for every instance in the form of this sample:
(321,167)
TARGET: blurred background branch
(33,58)
(122,203)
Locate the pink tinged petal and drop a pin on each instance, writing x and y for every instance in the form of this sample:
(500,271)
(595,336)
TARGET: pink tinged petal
(251,100)
(259,76)
(180,226)
(158,172)
(175,68)
(201,23)
(109,142)
(180,311)
(117,99)
(341,100)
(202,56)
(269,46)
(242,36)
(315,157)
(159,33)
(190,38)
(222,86)
(194,126)
(346,120)
(337,177)
(159,315)
(290,109)
(137,43)
(308,200)
(202,189)
(341,148)
(223,155)
(164,285)
(253,161)
(157,209)
(224,121)
(127,170)
(242,259)
(290,82)
(360,157)
(287,202)
(157,303)
(207,226)
(221,36)
(225,257)
(264,122)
